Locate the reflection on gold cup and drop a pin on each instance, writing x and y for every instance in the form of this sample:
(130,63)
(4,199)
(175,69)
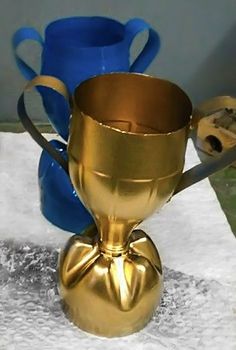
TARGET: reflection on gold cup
(127,143)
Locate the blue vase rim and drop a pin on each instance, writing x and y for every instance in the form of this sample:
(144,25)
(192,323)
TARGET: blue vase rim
(53,29)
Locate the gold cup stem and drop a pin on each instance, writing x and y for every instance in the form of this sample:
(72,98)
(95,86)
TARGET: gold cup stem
(114,235)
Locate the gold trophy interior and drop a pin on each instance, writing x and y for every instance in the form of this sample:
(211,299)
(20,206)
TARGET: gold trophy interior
(126,150)
(128,136)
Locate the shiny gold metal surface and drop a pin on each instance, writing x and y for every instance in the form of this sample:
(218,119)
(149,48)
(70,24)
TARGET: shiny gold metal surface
(126,150)
(110,295)
(128,136)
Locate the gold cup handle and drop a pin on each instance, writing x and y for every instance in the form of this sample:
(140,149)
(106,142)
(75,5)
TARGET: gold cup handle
(58,86)
(203,170)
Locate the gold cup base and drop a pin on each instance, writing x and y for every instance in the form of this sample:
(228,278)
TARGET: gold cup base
(110,295)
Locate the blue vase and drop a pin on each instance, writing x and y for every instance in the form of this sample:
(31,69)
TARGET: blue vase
(75,49)
(59,201)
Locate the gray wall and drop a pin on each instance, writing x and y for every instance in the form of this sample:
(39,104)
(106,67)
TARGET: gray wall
(198,41)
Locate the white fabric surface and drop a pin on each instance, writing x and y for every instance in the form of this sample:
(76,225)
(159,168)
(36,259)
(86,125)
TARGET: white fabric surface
(192,235)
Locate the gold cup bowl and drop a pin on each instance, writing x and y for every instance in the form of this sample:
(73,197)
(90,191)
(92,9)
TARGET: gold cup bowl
(128,136)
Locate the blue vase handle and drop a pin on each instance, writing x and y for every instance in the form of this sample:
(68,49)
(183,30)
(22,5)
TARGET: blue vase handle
(22,34)
(56,85)
(151,48)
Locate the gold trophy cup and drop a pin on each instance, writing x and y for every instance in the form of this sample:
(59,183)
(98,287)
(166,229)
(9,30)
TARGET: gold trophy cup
(126,150)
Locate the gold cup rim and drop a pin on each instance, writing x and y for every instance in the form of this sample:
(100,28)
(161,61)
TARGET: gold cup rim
(117,130)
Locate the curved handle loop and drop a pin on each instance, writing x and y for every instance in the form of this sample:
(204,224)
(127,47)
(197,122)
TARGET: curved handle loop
(151,48)
(22,34)
(203,170)
(58,86)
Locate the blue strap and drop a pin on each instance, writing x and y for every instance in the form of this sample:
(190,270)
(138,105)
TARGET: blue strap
(151,48)
(25,33)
